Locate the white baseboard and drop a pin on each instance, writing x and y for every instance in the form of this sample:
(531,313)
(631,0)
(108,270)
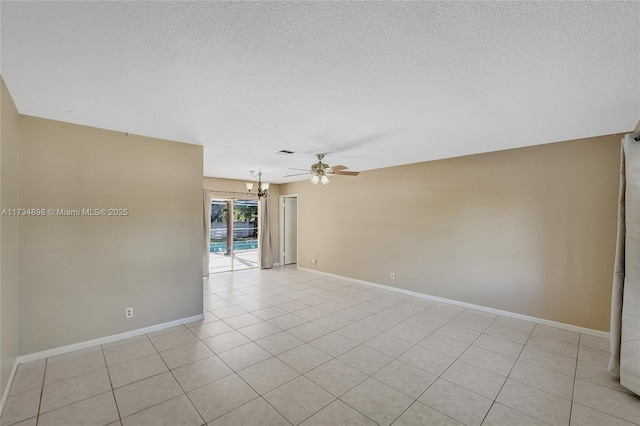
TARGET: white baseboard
(569,327)
(5,394)
(103,340)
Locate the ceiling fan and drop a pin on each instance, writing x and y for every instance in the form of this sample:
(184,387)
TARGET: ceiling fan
(321,170)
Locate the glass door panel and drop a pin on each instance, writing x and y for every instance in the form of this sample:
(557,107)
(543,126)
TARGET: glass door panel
(234,235)
(245,234)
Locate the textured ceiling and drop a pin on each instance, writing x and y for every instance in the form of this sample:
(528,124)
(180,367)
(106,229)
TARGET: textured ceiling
(375,84)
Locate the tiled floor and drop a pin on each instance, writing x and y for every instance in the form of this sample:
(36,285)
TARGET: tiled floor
(284,346)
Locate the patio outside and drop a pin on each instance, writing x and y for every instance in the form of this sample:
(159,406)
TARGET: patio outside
(241,226)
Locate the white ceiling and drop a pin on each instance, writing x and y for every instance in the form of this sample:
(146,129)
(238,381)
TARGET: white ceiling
(375,84)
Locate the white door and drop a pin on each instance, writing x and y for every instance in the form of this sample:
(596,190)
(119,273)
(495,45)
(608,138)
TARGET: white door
(290,230)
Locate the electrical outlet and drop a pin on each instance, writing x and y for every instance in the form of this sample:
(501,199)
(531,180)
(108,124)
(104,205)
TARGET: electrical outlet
(393,275)
(128,313)
(314,261)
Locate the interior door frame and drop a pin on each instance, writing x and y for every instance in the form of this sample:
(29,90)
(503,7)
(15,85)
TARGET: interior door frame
(281,226)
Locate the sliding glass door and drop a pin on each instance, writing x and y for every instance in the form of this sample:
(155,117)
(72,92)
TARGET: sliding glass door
(234,235)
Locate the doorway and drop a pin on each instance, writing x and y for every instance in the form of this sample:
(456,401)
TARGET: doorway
(288,229)
(234,235)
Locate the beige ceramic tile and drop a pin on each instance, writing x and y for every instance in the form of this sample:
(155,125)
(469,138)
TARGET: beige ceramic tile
(287,321)
(137,369)
(389,345)
(268,313)
(619,404)
(594,356)
(98,410)
(379,402)
(28,376)
(304,358)
(535,403)
(556,333)
(200,373)
(332,322)
(358,332)
(173,340)
(456,402)
(552,345)
(225,341)
(365,359)
(255,412)
(405,378)
(21,406)
(489,360)
(458,333)
(32,422)
(268,375)
(68,367)
(499,345)
(444,345)
(176,411)
(311,313)
(549,360)
(334,344)
(475,379)
(308,331)
(72,390)
(584,416)
(211,329)
(123,353)
(183,355)
(242,320)
(500,415)
(427,360)
(280,342)
(336,377)
(259,330)
(299,399)
(228,393)
(146,393)
(599,375)
(514,323)
(599,343)
(420,414)
(540,378)
(508,333)
(338,413)
(408,332)
(244,356)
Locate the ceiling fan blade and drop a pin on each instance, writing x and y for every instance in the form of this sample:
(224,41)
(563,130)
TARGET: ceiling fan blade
(346,173)
(304,170)
(298,174)
(338,168)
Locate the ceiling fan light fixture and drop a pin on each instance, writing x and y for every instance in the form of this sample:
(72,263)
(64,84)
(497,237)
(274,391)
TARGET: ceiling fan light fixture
(324,179)
(315,179)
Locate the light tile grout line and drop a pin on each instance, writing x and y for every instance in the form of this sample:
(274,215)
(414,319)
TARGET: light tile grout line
(46,362)
(113,392)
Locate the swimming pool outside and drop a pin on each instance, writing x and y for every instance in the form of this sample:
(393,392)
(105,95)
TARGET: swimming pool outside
(237,246)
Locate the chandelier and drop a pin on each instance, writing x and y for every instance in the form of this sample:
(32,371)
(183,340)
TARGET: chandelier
(261,191)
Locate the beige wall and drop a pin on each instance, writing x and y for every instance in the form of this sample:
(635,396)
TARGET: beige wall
(9,150)
(528,230)
(78,274)
(230,188)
